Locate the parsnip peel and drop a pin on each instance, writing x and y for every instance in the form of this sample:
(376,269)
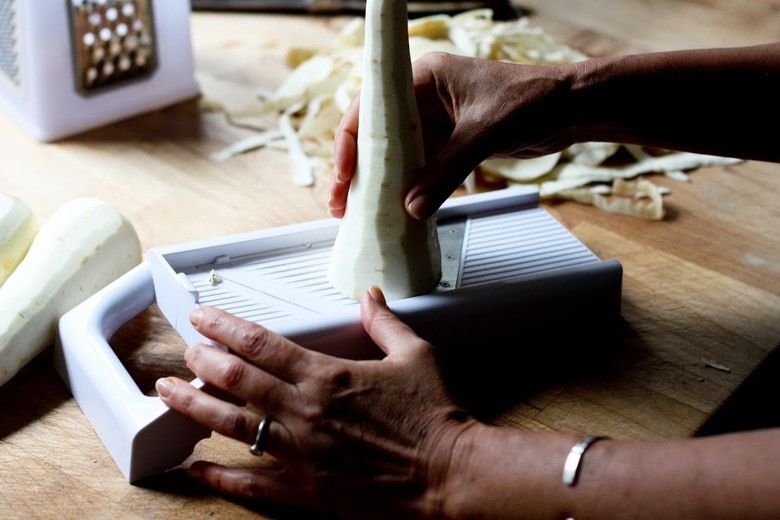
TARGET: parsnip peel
(323,81)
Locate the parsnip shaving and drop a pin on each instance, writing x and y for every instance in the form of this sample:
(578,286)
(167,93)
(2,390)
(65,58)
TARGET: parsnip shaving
(591,154)
(640,154)
(640,198)
(573,175)
(323,81)
(248,144)
(303,174)
(520,171)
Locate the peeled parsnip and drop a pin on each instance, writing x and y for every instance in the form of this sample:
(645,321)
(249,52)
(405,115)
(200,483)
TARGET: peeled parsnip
(18,227)
(378,243)
(81,248)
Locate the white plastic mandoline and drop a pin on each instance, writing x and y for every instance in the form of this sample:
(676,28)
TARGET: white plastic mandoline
(503,256)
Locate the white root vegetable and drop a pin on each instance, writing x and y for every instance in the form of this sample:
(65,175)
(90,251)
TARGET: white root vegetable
(81,248)
(18,227)
(524,170)
(378,243)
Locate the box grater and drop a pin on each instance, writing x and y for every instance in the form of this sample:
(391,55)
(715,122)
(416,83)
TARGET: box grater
(67,66)
(503,256)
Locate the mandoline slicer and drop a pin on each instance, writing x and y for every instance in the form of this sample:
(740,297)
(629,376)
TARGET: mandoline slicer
(503,256)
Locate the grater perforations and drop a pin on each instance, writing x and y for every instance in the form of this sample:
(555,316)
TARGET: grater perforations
(9,41)
(113,42)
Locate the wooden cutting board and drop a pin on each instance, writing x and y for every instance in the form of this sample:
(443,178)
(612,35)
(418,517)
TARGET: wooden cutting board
(701,295)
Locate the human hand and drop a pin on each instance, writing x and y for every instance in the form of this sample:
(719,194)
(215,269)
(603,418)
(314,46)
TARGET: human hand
(470,109)
(356,438)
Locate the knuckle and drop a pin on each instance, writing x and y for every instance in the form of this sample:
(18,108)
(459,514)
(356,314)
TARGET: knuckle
(210,320)
(185,401)
(313,413)
(339,378)
(335,389)
(236,424)
(232,373)
(255,341)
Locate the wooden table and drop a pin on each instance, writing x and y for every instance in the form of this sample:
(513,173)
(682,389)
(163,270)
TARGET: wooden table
(701,295)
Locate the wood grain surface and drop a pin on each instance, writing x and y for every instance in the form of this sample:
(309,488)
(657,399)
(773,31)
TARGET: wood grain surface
(701,293)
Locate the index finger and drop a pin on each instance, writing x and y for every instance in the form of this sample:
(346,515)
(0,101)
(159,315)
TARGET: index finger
(267,350)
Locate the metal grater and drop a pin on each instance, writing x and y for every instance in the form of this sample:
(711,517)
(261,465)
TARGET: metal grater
(113,42)
(9,47)
(67,66)
(503,257)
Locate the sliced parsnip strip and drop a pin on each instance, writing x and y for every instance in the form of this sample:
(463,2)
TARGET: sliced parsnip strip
(584,175)
(352,34)
(310,126)
(640,198)
(303,172)
(305,77)
(573,175)
(252,142)
(584,195)
(325,95)
(661,163)
(640,154)
(591,153)
(419,46)
(521,170)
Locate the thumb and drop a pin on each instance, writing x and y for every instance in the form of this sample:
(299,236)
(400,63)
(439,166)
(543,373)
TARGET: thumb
(386,330)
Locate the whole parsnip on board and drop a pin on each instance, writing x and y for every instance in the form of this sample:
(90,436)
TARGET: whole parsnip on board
(18,227)
(82,247)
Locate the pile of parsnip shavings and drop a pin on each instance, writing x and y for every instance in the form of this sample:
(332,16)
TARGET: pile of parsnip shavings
(309,104)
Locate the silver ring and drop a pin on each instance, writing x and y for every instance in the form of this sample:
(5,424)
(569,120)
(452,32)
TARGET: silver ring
(262,432)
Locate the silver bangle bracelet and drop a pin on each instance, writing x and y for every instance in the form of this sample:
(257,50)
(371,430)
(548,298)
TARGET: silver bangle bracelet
(571,467)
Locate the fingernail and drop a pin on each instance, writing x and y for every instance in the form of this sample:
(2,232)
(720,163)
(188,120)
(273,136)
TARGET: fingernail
(164,386)
(196,316)
(377,295)
(417,205)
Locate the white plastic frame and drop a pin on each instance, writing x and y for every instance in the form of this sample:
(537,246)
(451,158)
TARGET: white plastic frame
(145,438)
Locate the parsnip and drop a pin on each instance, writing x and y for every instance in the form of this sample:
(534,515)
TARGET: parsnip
(81,248)
(378,243)
(18,227)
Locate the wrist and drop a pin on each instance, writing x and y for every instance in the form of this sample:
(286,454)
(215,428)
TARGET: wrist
(594,102)
(500,472)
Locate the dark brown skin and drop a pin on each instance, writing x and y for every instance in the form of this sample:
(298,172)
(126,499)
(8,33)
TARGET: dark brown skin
(384,438)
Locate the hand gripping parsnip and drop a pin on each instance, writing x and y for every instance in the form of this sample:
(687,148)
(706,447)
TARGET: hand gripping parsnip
(82,247)
(18,227)
(378,243)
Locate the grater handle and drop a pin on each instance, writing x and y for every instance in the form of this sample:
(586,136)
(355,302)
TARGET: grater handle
(143,436)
